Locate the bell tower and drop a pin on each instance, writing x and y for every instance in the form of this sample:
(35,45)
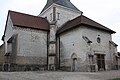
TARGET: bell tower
(57,12)
(60,11)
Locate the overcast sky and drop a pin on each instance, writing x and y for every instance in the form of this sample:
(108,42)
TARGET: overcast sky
(105,12)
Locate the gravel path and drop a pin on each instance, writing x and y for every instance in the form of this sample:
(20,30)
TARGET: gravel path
(59,75)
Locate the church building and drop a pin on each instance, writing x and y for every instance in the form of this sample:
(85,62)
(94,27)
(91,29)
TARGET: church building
(59,38)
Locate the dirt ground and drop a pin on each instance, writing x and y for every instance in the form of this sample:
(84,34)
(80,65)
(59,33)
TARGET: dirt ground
(58,75)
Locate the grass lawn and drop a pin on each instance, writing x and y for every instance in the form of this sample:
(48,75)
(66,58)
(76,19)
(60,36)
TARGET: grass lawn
(116,79)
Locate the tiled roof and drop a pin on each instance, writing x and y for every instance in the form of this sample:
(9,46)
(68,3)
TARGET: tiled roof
(83,20)
(65,3)
(113,43)
(29,21)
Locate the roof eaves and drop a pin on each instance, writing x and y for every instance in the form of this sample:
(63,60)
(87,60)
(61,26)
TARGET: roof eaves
(79,21)
(95,24)
(30,27)
(113,43)
(111,31)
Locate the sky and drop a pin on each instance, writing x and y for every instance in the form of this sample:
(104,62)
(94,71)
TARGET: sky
(105,12)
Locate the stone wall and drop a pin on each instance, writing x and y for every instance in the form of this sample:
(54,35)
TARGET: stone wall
(48,14)
(31,63)
(31,42)
(1,56)
(73,42)
(31,47)
(113,53)
(65,14)
(8,29)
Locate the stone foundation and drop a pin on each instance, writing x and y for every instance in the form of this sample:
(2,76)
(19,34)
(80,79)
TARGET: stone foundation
(83,68)
(1,66)
(20,67)
(66,65)
(27,63)
(31,67)
(65,68)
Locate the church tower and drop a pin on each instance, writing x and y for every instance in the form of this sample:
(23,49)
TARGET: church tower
(60,11)
(57,12)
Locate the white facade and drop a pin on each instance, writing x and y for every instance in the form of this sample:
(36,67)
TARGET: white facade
(31,42)
(63,14)
(73,42)
(9,29)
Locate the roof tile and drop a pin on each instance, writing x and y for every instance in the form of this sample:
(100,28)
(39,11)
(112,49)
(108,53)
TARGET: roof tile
(29,21)
(65,3)
(83,20)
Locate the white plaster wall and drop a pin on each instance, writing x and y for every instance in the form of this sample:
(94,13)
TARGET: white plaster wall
(70,42)
(31,42)
(119,62)
(9,29)
(66,14)
(9,48)
(47,14)
(113,52)
(103,47)
(80,46)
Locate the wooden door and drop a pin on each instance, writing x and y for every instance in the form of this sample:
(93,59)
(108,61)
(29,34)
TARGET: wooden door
(101,61)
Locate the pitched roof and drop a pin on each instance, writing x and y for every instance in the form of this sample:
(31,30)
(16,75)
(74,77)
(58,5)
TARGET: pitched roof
(113,43)
(83,20)
(29,21)
(65,3)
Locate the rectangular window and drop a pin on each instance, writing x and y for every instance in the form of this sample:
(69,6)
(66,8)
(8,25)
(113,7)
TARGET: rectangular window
(101,61)
(54,13)
(58,16)
(51,16)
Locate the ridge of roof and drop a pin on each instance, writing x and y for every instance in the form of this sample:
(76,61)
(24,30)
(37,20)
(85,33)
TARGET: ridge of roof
(28,21)
(83,20)
(65,3)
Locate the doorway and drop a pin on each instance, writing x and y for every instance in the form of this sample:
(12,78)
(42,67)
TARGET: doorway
(74,62)
(6,67)
(101,62)
(74,65)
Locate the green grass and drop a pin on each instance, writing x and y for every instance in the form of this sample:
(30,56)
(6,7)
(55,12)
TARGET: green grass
(116,79)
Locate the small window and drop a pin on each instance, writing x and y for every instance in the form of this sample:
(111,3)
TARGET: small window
(51,16)
(98,40)
(58,16)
